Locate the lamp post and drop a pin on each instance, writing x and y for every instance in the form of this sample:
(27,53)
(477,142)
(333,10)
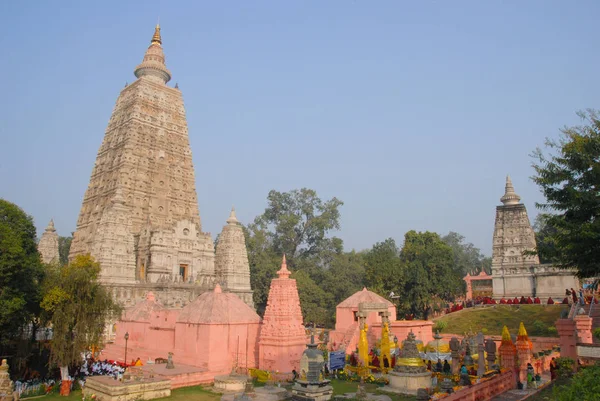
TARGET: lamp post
(126,339)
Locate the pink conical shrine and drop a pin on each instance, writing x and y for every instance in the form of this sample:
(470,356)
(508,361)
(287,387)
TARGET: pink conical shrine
(282,337)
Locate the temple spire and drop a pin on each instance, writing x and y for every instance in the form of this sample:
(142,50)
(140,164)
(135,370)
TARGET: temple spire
(153,65)
(510,197)
(156,38)
(284,272)
(232,217)
(50,226)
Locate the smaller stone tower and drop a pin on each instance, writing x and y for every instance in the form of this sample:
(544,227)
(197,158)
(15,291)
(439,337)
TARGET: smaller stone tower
(48,245)
(231,261)
(282,337)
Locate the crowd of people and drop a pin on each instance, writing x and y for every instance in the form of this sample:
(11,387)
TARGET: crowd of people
(114,369)
(582,297)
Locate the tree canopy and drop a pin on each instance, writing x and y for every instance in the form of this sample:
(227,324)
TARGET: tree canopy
(569,177)
(429,271)
(79,308)
(467,257)
(426,272)
(298,224)
(21,271)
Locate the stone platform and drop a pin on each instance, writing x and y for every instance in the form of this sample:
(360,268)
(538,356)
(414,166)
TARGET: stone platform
(311,391)
(108,389)
(180,376)
(231,383)
(267,393)
(408,383)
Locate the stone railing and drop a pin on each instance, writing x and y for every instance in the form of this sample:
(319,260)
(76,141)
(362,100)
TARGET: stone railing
(485,390)
(542,364)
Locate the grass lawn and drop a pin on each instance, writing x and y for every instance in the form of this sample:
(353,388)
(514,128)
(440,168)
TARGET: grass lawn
(539,320)
(195,393)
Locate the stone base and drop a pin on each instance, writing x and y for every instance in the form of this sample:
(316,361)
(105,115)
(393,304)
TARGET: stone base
(270,393)
(307,391)
(267,393)
(109,389)
(408,383)
(230,383)
(180,376)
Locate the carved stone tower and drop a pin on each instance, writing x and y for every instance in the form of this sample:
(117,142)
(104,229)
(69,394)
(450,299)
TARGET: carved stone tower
(512,268)
(139,216)
(231,261)
(48,245)
(282,336)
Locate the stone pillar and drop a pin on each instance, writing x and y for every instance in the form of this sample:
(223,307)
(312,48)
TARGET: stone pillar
(480,359)
(490,348)
(385,317)
(524,354)
(583,327)
(454,348)
(568,339)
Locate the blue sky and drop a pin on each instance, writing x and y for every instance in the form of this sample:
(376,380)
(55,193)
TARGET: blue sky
(412,113)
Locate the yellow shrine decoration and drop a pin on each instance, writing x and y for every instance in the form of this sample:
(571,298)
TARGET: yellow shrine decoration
(363,346)
(385,346)
(523,337)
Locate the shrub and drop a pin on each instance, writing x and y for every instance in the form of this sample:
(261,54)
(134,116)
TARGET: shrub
(552,331)
(584,386)
(538,328)
(440,325)
(597,333)
(565,367)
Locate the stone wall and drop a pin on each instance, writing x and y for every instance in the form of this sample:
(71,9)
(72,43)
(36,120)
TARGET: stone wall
(485,390)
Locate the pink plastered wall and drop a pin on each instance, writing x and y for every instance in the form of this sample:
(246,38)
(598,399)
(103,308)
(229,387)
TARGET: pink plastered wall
(217,347)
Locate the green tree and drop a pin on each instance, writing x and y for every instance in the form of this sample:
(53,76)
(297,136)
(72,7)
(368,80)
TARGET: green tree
(79,309)
(544,238)
(467,257)
(299,222)
(64,246)
(21,272)
(384,272)
(264,263)
(314,300)
(569,177)
(584,386)
(345,276)
(429,273)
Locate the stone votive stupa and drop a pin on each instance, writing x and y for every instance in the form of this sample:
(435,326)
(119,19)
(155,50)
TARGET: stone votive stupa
(410,372)
(311,386)
(6,385)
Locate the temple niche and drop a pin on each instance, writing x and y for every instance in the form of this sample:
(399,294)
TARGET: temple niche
(516,271)
(139,217)
(48,245)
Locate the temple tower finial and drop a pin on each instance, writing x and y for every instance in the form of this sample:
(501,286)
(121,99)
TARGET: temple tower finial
(156,38)
(232,217)
(153,65)
(284,272)
(510,197)
(50,226)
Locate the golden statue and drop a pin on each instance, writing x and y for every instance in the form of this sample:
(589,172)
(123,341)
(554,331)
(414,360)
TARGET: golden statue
(363,346)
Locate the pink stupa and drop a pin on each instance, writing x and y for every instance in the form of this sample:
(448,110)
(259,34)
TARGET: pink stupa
(282,338)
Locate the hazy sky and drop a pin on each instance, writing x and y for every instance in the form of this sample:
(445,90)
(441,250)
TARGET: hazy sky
(412,113)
